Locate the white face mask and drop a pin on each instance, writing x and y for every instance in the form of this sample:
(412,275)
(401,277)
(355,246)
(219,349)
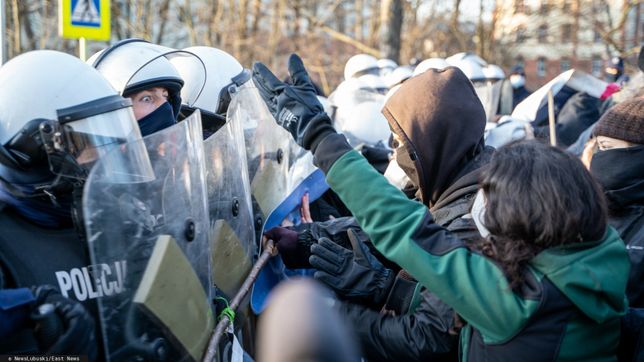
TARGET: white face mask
(517,81)
(395,175)
(478,213)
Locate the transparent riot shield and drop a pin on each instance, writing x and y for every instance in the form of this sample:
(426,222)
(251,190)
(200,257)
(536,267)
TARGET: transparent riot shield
(229,204)
(267,151)
(489,93)
(149,247)
(280,173)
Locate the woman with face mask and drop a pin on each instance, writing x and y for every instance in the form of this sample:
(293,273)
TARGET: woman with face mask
(618,164)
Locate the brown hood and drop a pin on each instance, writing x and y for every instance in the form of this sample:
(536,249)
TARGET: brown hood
(440,121)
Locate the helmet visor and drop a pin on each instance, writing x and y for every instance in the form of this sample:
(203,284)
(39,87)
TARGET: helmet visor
(85,133)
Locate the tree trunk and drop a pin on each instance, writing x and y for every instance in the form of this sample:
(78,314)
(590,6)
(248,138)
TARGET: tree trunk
(374,26)
(359,36)
(163,14)
(391,19)
(340,18)
(15,16)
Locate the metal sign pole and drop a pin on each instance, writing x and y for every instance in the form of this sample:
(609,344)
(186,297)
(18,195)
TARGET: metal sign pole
(3,33)
(82,53)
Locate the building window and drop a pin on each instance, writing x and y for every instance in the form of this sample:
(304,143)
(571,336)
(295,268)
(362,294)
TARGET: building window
(521,34)
(564,65)
(545,7)
(566,33)
(596,67)
(542,33)
(519,6)
(520,62)
(567,5)
(597,37)
(541,67)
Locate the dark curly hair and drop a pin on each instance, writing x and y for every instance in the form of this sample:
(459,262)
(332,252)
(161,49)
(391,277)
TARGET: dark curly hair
(538,197)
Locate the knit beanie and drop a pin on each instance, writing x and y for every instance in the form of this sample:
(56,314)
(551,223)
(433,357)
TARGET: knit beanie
(624,121)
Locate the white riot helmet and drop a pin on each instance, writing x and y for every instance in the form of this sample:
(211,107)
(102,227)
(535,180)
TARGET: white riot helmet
(58,115)
(222,72)
(398,76)
(133,65)
(373,83)
(361,64)
(472,68)
(470,57)
(358,113)
(386,66)
(493,72)
(431,63)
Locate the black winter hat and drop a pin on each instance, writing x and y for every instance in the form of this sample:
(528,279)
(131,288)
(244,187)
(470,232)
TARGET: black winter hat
(624,121)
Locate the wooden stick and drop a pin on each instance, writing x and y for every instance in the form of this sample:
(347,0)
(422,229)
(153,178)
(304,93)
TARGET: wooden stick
(551,119)
(269,251)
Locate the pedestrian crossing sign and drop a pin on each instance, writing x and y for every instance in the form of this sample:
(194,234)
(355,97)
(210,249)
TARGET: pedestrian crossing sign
(88,19)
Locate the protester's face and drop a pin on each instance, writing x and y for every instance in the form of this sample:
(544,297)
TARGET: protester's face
(608,143)
(146,101)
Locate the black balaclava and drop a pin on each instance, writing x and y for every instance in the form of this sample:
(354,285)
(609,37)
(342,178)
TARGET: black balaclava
(162,117)
(620,171)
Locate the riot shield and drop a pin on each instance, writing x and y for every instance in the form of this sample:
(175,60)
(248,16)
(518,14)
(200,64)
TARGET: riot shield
(229,205)
(489,92)
(280,173)
(148,243)
(267,150)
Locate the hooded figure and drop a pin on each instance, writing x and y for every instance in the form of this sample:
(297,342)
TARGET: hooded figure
(439,136)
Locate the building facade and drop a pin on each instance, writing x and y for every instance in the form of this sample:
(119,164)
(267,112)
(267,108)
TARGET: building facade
(549,37)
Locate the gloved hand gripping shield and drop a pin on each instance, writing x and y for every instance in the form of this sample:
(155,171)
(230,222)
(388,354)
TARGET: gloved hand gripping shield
(155,304)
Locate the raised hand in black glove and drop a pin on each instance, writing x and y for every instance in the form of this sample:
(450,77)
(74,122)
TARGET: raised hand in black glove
(355,275)
(295,107)
(293,249)
(77,335)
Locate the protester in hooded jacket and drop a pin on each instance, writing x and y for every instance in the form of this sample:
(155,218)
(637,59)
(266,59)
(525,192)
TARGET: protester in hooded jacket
(618,165)
(530,297)
(452,166)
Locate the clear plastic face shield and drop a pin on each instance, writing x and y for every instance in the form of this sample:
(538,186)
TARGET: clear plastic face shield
(85,133)
(359,118)
(489,93)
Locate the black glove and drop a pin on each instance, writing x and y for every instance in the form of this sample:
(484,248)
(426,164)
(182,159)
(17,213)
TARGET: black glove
(77,336)
(295,107)
(355,275)
(294,250)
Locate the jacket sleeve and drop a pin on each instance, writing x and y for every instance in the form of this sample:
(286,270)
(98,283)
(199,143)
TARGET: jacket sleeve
(404,232)
(419,336)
